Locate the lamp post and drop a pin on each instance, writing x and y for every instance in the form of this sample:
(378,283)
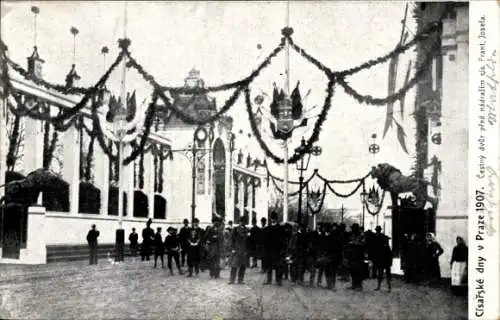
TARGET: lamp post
(363,195)
(301,167)
(199,137)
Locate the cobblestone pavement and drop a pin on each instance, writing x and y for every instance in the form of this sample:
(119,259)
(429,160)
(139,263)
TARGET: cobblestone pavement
(134,290)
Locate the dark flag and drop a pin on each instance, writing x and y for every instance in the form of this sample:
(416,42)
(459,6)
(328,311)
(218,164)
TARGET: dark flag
(113,108)
(274,103)
(131,107)
(296,103)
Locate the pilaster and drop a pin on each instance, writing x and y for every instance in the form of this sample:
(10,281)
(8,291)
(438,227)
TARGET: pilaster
(71,167)
(128,181)
(149,179)
(102,177)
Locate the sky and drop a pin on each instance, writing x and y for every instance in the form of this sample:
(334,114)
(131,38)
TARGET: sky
(221,40)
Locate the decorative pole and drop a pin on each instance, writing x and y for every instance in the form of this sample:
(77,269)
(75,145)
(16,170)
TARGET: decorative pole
(74,32)
(120,120)
(287,92)
(35,11)
(104,52)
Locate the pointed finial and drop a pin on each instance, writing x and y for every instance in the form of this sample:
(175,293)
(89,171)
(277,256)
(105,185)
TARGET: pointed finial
(35,11)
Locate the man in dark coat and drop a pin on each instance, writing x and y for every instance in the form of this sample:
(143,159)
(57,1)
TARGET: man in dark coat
(333,253)
(159,247)
(147,240)
(356,257)
(214,240)
(253,243)
(193,252)
(300,255)
(382,257)
(312,253)
(239,251)
(173,248)
(275,249)
(92,236)
(134,240)
(183,241)
(261,245)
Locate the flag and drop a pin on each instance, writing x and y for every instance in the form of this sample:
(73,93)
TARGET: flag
(131,107)
(296,103)
(401,137)
(274,103)
(402,100)
(113,108)
(393,69)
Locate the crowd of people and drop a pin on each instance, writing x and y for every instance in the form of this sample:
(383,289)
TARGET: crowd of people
(290,251)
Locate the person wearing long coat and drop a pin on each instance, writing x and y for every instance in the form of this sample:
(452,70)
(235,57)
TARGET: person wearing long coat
(458,264)
(214,240)
(381,257)
(193,252)
(92,236)
(239,251)
(148,235)
(433,252)
(356,256)
(275,239)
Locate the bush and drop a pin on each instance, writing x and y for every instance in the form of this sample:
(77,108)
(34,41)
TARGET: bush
(89,198)
(56,198)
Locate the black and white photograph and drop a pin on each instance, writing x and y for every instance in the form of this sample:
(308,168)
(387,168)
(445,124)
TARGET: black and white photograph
(249,160)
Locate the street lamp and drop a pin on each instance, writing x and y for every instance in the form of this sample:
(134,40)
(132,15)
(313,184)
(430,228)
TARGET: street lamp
(363,195)
(120,130)
(301,167)
(199,137)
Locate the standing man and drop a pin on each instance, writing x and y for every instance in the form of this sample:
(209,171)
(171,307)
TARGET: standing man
(261,245)
(382,257)
(253,242)
(239,251)
(275,249)
(183,241)
(214,241)
(148,236)
(92,241)
(159,247)
(134,239)
(356,257)
(173,248)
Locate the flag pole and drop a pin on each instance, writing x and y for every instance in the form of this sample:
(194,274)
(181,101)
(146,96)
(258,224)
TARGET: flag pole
(287,92)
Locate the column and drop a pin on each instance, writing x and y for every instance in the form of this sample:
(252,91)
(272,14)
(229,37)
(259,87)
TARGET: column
(102,177)
(128,181)
(71,168)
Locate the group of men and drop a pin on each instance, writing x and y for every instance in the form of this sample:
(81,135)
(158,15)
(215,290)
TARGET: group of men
(288,251)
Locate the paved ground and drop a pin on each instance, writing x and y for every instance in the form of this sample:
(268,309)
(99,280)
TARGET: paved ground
(134,290)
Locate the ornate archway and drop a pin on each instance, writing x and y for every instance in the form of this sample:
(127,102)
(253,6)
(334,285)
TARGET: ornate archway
(219,156)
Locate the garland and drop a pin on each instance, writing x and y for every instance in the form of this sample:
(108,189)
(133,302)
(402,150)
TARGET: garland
(401,92)
(14,141)
(90,156)
(47,85)
(155,166)
(340,195)
(374,213)
(160,176)
(312,139)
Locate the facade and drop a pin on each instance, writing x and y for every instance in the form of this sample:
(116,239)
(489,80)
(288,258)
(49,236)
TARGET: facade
(442,137)
(157,184)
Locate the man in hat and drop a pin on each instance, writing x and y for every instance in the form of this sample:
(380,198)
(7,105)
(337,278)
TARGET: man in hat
(148,236)
(183,241)
(275,239)
(382,257)
(159,247)
(172,245)
(252,243)
(134,239)
(356,257)
(239,251)
(261,245)
(214,240)
(92,236)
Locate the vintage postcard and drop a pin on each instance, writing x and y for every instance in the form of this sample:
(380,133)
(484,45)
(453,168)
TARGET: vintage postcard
(249,160)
